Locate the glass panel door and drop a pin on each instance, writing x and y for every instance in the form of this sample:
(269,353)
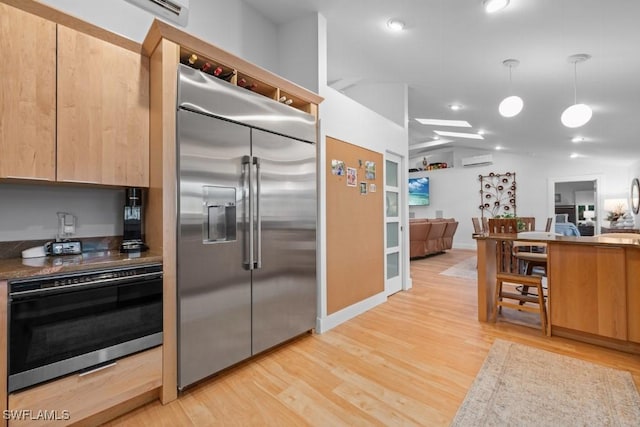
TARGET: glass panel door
(393,232)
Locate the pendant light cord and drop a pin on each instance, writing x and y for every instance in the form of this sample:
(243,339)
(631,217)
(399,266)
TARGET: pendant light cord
(575,82)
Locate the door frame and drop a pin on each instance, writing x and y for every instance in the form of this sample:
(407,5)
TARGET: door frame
(599,180)
(403,220)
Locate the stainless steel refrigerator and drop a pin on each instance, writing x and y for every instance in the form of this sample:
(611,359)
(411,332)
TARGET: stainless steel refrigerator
(247,224)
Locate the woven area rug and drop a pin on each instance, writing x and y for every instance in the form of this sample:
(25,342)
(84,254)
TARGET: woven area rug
(465,269)
(524,386)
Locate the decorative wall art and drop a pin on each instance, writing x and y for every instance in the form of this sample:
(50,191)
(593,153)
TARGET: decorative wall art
(372,188)
(352,177)
(497,194)
(363,188)
(337,167)
(369,170)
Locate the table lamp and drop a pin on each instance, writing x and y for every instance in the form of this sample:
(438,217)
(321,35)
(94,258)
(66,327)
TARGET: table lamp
(588,216)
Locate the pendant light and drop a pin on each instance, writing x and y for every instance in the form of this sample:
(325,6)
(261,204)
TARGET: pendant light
(511,105)
(578,114)
(491,6)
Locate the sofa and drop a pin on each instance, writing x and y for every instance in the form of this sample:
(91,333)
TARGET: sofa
(429,236)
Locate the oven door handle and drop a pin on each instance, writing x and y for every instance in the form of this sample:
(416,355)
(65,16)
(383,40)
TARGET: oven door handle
(86,285)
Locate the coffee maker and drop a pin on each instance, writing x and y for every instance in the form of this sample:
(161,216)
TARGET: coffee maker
(132,239)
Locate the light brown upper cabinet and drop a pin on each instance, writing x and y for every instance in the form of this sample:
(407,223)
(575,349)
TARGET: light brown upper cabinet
(27,95)
(103,112)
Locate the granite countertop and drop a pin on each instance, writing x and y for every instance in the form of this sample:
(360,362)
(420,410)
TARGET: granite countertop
(16,268)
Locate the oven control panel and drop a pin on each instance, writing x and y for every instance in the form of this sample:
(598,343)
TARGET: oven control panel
(95,277)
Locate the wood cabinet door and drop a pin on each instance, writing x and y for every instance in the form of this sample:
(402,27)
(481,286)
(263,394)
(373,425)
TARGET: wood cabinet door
(587,286)
(103,112)
(27,95)
(633,294)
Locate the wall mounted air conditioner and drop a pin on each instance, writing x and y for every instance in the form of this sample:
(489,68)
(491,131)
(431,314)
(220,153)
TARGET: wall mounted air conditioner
(485,159)
(171,10)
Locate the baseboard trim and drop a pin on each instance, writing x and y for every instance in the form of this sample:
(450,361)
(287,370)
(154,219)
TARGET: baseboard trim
(323,324)
(471,246)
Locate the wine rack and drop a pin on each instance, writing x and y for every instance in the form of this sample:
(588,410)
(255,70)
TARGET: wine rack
(208,66)
(241,79)
(256,86)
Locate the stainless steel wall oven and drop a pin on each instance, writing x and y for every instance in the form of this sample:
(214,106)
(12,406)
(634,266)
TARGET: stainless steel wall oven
(65,323)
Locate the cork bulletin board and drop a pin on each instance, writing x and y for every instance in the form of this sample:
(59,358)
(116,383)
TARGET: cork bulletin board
(355,224)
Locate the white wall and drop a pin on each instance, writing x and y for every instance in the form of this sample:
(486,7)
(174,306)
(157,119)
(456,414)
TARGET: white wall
(634,172)
(28,212)
(455,191)
(231,25)
(298,51)
(386,99)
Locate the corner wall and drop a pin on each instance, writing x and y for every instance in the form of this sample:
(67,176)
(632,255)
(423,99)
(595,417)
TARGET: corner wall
(343,118)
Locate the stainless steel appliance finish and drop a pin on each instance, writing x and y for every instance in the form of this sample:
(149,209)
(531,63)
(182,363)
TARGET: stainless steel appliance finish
(247,224)
(65,323)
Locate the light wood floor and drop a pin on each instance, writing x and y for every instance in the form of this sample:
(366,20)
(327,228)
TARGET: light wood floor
(409,361)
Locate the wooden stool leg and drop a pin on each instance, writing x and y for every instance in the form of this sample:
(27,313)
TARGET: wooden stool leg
(494,315)
(543,309)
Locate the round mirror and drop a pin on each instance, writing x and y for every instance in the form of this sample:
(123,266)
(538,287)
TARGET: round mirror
(635,195)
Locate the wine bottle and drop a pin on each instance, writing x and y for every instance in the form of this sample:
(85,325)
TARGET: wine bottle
(282,99)
(227,76)
(252,86)
(206,67)
(217,71)
(242,82)
(193,58)
(289,101)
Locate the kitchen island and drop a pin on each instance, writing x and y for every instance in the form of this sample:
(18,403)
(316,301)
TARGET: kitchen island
(593,282)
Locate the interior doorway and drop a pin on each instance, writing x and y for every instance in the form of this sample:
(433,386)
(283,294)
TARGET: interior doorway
(394,224)
(577,200)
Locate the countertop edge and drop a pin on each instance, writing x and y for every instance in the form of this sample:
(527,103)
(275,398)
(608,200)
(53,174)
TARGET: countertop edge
(15,268)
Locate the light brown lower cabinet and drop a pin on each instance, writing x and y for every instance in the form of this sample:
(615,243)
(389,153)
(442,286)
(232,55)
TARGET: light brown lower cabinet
(633,294)
(74,398)
(588,289)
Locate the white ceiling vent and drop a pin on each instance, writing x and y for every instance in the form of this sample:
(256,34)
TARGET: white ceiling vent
(485,159)
(171,10)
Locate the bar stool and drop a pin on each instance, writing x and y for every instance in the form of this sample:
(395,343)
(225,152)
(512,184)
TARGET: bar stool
(521,298)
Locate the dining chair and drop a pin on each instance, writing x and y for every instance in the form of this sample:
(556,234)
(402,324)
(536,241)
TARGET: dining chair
(529,222)
(514,290)
(477,228)
(503,225)
(485,224)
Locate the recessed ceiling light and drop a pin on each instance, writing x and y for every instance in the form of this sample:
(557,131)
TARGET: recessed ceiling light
(491,6)
(395,25)
(459,134)
(436,137)
(498,147)
(574,155)
(440,122)
(481,132)
(577,139)
(455,107)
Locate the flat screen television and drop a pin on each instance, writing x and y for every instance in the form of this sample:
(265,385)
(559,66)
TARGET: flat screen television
(419,191)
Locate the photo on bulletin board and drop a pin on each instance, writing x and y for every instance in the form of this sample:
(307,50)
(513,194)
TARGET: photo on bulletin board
(370,170)
(337,167)
(372,188)
(352,177)
(363,188)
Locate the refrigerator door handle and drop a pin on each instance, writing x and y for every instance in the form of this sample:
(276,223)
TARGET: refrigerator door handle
(246,166)
(258,264)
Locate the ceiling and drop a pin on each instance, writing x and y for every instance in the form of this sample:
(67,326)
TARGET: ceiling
(451,51)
